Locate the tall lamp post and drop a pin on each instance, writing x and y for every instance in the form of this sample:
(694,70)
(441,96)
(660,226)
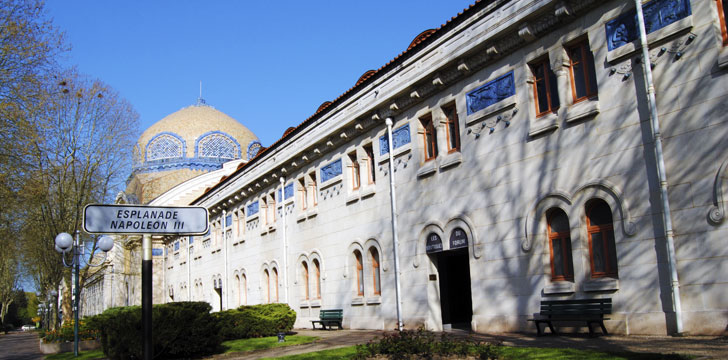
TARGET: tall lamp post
(66,243)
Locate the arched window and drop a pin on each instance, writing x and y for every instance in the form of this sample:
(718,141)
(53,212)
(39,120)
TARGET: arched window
(602,250)
(164,146)
(275,284)
(359,273)
(304,273)
(317,274)
(374,254)
(562,266)
(266,278)
(237,288)
(218,145)
(244,287)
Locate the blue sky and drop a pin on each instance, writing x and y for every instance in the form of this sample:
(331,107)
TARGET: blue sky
(268,64)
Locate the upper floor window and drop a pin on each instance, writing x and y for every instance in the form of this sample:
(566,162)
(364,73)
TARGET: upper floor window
(583,74)
(355,171)
(375,271)
(303,192)
(314,188)
(371,170)
(602,250)
(723,15)
(430,137)
(271,208)
(559,233)
(453,128)
(544,87)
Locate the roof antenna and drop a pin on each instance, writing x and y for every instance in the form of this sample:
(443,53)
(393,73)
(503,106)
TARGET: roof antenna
(200,100)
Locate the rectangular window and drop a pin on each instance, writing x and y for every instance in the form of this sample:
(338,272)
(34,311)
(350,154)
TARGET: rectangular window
(583,74)
(272,207)
(314,188)
(304,193)
(264,212)
(453,128)
(355,171)
(544,87)
(430,138)
(371,171)
(723,15)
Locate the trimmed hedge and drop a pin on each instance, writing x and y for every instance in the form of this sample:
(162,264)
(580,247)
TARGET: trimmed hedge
(180,330)
(255,321)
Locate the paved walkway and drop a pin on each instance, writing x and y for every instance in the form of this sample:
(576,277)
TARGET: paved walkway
(703,347)
(17,345)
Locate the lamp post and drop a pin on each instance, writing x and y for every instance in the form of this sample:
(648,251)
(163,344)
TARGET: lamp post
(65,243)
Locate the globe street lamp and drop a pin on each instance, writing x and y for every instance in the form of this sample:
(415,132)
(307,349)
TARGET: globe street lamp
(66,243)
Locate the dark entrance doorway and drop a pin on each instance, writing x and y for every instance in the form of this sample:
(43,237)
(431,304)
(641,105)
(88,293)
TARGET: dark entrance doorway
(455,297)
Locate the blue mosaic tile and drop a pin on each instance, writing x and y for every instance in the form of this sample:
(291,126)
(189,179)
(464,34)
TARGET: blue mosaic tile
(331,171)
(491,93)
(400,137)
(658,14)
(253,209)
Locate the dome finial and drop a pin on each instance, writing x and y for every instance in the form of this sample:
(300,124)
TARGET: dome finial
(200,100)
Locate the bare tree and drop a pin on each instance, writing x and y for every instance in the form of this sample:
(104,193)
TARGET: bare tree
(81,155)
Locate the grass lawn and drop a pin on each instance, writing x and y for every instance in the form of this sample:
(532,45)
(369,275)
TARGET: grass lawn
(242,345)
(340,353)
(82,355)
(508,353)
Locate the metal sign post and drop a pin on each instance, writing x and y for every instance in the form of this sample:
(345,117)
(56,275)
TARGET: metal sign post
(145,221)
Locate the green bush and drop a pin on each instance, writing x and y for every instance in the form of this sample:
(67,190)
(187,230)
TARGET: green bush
(180,330)
(409,344)
(255,321)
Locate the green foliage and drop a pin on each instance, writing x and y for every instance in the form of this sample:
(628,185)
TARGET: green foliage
(411,344)
(65,333)
(180,330)
(242,345)
(255,321)
(82,355)
(529,353)
(332,354)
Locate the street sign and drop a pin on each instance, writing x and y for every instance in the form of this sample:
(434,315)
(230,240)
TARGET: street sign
(139,219)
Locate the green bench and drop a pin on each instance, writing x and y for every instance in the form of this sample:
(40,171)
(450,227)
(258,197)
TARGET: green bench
(328,318)
(591,311)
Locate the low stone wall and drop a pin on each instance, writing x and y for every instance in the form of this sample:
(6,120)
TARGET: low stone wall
(59,347)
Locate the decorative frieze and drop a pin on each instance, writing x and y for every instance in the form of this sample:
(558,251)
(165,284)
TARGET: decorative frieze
(400,137)
(330,171)
(491,92)
(658,14)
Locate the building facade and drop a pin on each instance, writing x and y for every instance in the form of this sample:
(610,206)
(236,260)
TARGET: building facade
(526,168)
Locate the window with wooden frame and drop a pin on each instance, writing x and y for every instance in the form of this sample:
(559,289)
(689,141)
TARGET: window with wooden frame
(241,222)
(371,170)
(602,250)
(559,235)
(355,171)
(303,191)
(272,207)
(275,284)
(263,210)
(583,73)
(304,273)
(453,128)
(429,137)
(374,254)
(723,16)
(312,177)
(266,278)
(317,274)
(545,89)
(359,273)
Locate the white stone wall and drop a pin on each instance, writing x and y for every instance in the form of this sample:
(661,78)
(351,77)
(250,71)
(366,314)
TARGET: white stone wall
(499,185)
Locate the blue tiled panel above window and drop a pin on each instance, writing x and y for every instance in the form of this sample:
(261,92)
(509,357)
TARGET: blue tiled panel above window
(253,209)
(176,245)
(400,137)
(228,220)
(331,171)
(192,239)
(658,14)
(157,252)
(288,191)
(491,92)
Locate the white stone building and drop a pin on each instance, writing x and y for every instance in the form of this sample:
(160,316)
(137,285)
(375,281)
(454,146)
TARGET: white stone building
(525,169)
